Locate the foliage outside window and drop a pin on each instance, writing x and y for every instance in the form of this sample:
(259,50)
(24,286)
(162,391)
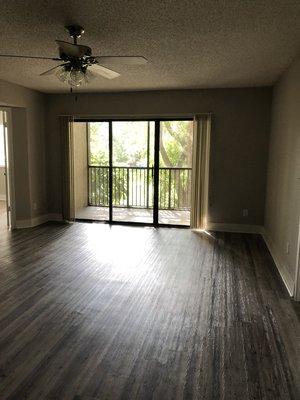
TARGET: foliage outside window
(133,161)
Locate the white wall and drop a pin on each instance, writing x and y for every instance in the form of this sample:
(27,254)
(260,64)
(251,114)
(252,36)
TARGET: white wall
(283,183)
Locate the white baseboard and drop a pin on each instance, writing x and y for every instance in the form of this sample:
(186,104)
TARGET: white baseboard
(238,228)
(280,265)
(2,197)
(258,229)
(30,223)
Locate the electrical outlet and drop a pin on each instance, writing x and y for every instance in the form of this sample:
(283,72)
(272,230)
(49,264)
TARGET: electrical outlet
(34,206)
(287,248)
(245,212)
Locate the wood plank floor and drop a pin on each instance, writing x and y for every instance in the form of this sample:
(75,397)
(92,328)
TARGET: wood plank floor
(89,311)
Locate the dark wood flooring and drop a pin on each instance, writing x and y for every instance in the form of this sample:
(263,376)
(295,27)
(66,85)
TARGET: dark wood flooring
(89,311)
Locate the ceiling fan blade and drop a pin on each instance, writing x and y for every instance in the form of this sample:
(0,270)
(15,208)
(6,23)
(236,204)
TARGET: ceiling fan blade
(105,72)
(121,60)
(73,50)
(52,70)
(33,57)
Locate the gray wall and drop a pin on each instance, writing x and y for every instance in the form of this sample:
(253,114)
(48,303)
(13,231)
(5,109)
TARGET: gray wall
(241,123)
(28,130)
(283,189)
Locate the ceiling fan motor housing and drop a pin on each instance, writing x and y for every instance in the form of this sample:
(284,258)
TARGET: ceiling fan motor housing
(75,31)
(81,52)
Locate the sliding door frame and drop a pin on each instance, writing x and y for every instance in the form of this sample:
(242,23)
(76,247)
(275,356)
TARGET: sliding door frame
(110,171)
(156,172)
(157,124)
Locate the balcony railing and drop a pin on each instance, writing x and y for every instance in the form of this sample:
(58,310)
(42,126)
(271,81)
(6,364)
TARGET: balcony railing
(133,187)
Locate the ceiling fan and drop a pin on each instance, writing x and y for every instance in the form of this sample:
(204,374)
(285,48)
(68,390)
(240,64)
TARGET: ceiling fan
(78,65)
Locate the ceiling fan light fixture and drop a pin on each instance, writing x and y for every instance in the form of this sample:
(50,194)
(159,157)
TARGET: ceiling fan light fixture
(89,76)
(62,74)
(74,77)
(77,64)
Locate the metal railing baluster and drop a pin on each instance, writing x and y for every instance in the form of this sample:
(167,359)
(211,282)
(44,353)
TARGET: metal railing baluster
(132,187)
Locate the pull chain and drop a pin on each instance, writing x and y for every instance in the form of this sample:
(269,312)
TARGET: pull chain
(71,90)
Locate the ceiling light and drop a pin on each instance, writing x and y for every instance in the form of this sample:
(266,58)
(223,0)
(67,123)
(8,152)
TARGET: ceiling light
(74,77)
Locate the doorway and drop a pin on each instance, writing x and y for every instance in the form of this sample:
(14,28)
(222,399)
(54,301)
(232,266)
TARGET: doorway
(133,171)
(5,172)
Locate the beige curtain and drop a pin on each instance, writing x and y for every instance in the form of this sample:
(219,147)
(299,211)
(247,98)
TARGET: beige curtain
(200,171)
(67,161)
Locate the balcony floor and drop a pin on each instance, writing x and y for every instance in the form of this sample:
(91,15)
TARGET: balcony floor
(171,217)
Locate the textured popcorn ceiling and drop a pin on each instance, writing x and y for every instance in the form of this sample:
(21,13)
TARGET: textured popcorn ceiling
(189,44)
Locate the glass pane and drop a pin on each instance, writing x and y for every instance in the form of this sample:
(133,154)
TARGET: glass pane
(98,143)
(175,172)
(133,146)
(91,172)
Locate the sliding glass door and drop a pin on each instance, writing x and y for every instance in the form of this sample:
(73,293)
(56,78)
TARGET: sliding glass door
(175,172)
(91,170)
(98,170)
(133,171)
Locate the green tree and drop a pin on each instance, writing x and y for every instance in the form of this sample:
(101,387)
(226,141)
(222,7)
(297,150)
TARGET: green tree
(176,143)
(130,150)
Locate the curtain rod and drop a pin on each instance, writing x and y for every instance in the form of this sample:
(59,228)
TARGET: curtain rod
(140,116)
